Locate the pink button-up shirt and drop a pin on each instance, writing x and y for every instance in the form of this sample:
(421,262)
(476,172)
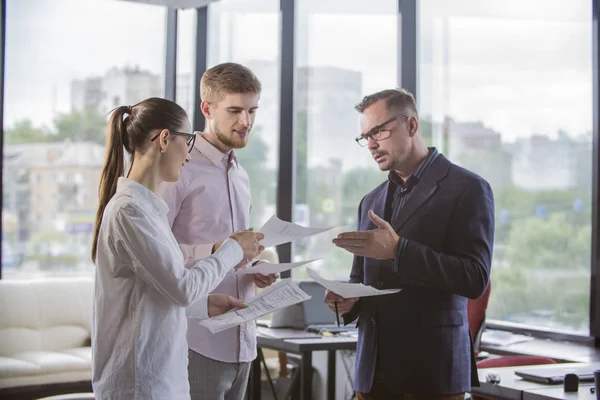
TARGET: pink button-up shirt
(211,201)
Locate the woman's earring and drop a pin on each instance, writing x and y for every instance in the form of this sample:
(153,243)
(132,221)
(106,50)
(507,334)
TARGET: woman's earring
(162,150)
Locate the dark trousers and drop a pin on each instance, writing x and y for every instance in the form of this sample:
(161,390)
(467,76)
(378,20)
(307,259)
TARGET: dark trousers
(379,392)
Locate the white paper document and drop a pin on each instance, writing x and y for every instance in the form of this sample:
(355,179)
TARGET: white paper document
(282,294)
(268,268)
(348,290)
(278,232)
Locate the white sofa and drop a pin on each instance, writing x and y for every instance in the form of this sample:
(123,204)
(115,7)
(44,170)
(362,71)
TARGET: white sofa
(45,335)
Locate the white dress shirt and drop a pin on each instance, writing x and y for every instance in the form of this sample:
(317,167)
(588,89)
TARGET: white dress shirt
(142,290)
(210,201)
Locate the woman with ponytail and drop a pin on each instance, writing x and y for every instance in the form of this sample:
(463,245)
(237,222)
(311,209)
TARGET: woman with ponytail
(143,292)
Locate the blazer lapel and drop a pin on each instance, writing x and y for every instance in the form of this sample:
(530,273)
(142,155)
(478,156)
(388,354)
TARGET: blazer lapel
(426,187)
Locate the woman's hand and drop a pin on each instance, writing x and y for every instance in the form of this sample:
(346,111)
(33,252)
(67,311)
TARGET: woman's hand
(221,303)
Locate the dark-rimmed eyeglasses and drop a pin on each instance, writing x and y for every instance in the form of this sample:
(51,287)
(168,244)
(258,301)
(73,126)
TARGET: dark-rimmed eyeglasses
(190,142)
(378,132)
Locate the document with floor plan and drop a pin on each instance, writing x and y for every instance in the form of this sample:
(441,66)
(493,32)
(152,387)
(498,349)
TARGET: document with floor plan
(277,232)
(348,290)
(282,294)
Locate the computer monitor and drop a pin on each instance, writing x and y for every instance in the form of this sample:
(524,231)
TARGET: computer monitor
(313,311)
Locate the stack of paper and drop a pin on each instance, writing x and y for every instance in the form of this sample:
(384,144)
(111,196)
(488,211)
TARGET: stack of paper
(282,294)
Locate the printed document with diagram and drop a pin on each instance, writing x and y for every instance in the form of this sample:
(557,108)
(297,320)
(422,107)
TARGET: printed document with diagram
(278,232)
(282,294)
(348,290)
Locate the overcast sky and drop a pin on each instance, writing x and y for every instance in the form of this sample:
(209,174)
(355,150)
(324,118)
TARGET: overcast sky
(520,66)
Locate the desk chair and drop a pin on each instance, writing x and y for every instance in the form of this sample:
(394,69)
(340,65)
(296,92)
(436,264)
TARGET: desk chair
(514,361)
(476,315)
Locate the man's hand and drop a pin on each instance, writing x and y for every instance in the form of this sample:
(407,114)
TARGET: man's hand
(221,303)
(343,305)
(379,243)
(262,281)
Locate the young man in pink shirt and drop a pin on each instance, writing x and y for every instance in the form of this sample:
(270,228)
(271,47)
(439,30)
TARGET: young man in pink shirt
(211,201)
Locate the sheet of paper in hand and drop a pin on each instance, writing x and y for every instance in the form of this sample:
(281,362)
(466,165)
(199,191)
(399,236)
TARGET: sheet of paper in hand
(278,232)
(268,268)
(348,290)
(282,294)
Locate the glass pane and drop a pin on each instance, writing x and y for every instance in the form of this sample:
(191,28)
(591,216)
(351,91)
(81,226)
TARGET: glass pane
(186,53)
(507,86)
(247,32)
(68,63)
(341,57)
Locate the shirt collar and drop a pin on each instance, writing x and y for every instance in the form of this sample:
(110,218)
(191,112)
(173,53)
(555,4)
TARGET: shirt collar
(137,191)
(215,155)
(414,178)
(433,153)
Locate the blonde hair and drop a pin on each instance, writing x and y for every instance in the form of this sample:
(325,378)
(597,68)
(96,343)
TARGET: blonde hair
(225,79)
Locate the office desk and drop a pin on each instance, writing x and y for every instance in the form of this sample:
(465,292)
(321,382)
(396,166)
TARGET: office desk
(558,350)
(557,392)
(303,347)
(512,387)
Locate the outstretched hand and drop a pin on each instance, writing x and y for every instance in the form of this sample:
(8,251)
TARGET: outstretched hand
(379,243)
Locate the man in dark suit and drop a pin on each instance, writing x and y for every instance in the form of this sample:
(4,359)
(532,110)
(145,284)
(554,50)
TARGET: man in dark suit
(429,230)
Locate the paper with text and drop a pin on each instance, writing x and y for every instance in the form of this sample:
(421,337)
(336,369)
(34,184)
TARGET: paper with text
(348,290)
(282,294)
(278,232)
(268,268)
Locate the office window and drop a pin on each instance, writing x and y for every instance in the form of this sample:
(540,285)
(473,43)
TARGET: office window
(345,50)
(506,87)
(247,32)
(186,53)
(68,63)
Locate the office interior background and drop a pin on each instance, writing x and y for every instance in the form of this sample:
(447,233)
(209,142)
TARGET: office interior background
(506,88)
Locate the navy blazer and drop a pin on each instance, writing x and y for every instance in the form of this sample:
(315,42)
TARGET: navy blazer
(421,334)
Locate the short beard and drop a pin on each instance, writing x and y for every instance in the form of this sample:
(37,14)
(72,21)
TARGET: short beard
(231,143)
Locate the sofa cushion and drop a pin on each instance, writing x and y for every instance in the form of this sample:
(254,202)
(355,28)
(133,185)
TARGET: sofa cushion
(36,367)
(45,315)
(51,362)
(15,367)
(45,379)
(44,330)
(81,352)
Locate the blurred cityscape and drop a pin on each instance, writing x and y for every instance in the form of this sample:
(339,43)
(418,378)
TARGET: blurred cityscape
(542,185)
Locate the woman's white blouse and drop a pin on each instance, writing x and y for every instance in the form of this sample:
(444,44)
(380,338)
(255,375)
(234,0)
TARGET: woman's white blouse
(142,291)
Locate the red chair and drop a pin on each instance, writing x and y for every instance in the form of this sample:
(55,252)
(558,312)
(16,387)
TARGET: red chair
(476,316)
(514,361)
